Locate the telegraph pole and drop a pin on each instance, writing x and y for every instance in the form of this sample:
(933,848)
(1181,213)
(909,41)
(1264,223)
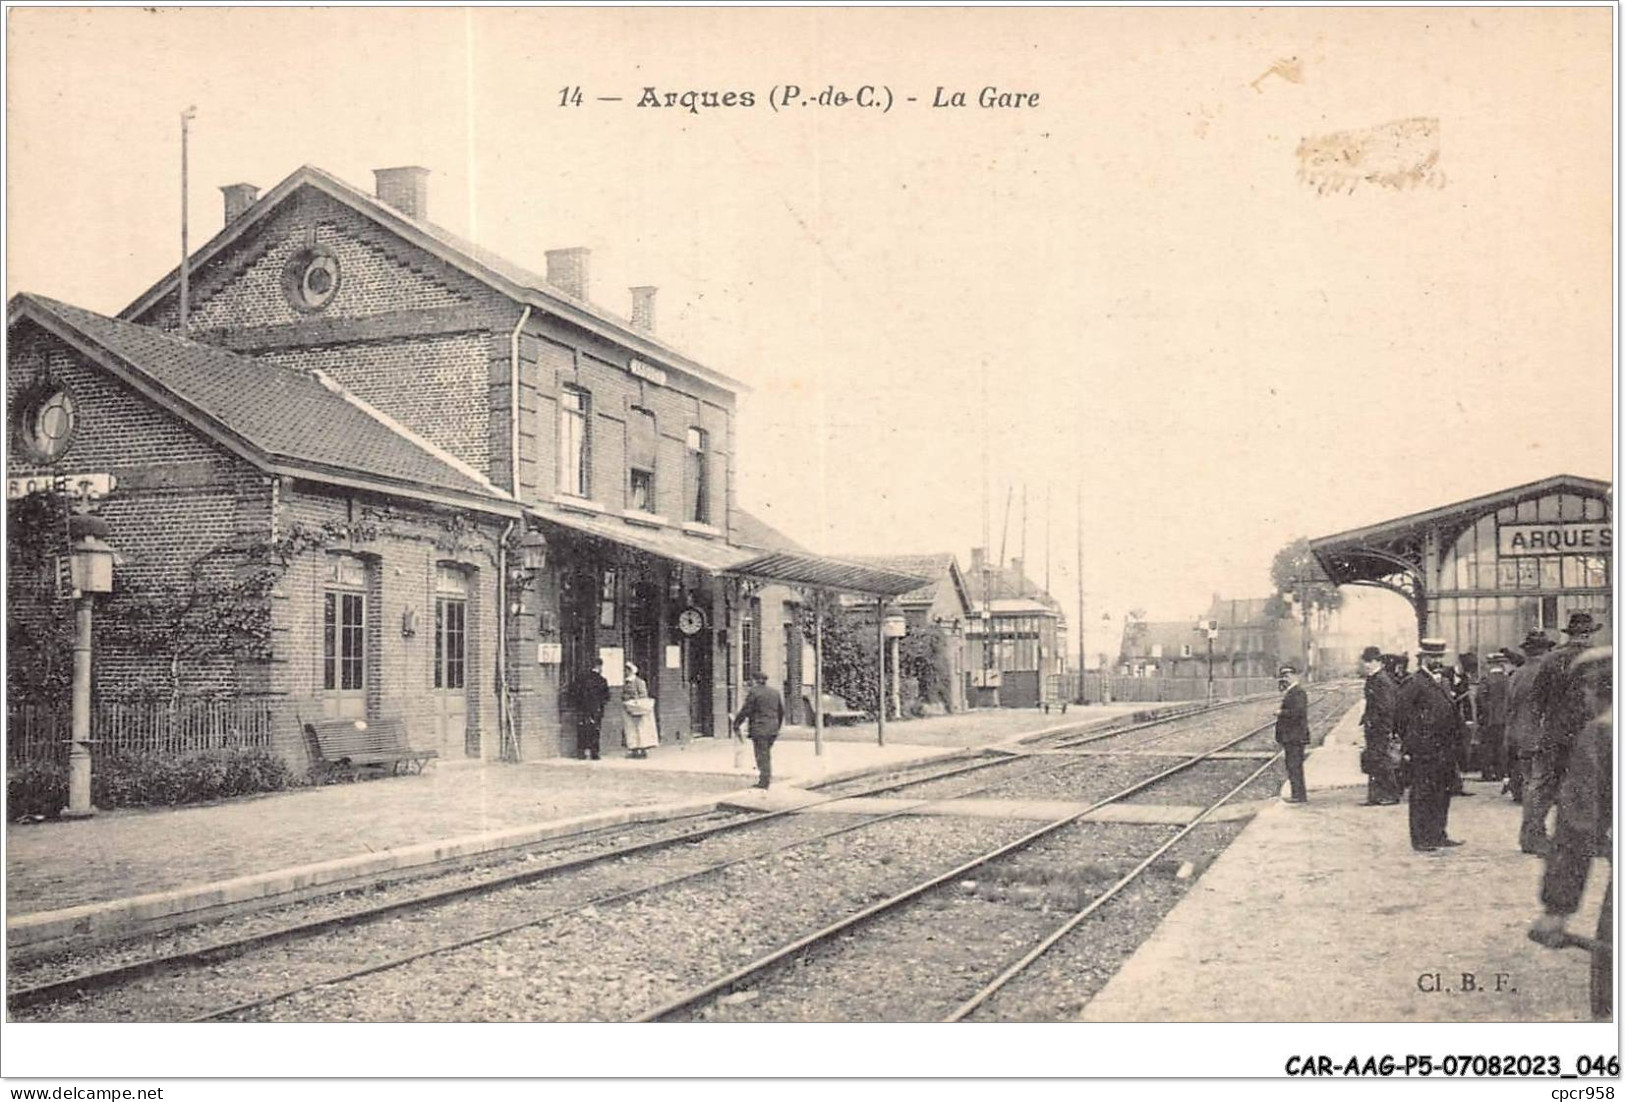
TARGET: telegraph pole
(186,121)
(1083,696)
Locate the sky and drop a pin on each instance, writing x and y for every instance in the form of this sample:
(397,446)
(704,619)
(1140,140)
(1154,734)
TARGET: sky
(1123,296)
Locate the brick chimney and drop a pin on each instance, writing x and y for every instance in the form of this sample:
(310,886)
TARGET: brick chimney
(405,188)
(567,271)
(643,309)
(978,558)
(239,197)
(1019,578)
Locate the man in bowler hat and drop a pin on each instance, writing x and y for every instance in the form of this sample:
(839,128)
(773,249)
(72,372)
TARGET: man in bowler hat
(1560,702)
(1292,731)
(764,709)
(591,696)
(1377,760)
(1430,734)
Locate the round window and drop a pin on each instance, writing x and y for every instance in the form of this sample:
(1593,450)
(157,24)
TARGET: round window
(48,423)
(311,278)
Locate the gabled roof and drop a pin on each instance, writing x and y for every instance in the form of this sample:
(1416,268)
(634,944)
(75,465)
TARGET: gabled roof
(940,566)
(1475,506)
(523,286)
(283,420)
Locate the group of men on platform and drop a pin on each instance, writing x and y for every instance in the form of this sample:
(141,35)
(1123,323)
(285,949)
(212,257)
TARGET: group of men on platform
(1540,720)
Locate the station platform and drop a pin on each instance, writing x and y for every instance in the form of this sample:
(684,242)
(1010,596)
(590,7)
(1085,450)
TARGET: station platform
(141,869)
(1321,912)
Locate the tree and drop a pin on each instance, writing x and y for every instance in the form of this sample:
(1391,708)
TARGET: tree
(1296,572)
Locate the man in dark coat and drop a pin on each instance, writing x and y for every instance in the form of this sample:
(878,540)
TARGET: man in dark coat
(1492,718)
(1560,701)
(764,708)
(1377,760)
(1430,734)
(591,697)
(1585,809)
(1523,734)
(1292,732)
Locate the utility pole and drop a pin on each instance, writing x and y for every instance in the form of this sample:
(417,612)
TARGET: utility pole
(186,121)
(1083,696)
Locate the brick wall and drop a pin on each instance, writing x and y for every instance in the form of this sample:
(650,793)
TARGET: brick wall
(179,497)
(401,567)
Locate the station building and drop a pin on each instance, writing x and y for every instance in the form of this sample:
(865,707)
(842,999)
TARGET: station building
(610,452)
(1484,572)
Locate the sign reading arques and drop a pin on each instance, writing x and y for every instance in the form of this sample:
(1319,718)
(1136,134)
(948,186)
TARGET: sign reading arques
(1573,538)
(97,484)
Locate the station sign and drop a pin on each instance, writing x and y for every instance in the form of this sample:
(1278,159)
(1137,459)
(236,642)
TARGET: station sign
(1557,538)
(94,484)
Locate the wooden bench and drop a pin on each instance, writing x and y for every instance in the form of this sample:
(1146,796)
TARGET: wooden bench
(350,745)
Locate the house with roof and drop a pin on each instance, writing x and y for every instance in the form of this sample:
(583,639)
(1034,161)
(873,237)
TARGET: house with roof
(611,451)
(357,562)
(1016,641)
(1251,641)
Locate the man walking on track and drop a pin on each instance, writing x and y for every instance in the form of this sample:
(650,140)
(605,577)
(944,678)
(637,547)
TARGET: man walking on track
(1430,734)
(1377,760)
(764,708)
(1292,731)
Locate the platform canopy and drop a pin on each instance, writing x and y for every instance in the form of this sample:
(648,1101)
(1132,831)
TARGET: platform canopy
(1376,552)
(820,572)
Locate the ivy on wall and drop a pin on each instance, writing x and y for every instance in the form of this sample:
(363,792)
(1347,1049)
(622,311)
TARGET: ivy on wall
(221,610)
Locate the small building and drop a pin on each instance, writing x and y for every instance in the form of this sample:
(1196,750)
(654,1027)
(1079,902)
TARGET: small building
(1015,644)
(1484,572)
(281,538)
(943,605)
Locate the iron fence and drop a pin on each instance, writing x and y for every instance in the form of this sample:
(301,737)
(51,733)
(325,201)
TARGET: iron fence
(40,732)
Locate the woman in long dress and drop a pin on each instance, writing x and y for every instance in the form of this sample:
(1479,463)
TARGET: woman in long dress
(641,732)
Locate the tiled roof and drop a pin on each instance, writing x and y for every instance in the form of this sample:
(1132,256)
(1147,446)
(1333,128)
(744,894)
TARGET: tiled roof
(507,277)
(1005,583)
(933,565)
(751,531)
(286,416)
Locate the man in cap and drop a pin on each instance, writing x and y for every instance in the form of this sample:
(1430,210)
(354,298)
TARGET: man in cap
(1523,732)
(1292,731)
(1430,734)
(1585,808)
(1560,701)
(1377,760)
(1492,717)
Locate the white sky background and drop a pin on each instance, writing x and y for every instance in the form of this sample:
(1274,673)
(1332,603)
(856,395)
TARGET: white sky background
(1128,282)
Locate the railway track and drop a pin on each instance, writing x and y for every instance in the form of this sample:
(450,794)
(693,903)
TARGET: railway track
(780,959)
(211,957)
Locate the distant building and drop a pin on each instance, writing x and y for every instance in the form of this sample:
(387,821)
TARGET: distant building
(1250,643)
(1015,650)
(943,604)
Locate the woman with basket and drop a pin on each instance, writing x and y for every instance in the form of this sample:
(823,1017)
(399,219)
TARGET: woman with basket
(641,732)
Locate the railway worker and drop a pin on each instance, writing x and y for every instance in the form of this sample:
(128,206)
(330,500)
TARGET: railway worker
(1464,687)
(764,709)
(1560,701)
(1430,735)
(1292,731)
(1492,716)
(1585,807)
(1523,734)
(1378,760)
(591,697)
